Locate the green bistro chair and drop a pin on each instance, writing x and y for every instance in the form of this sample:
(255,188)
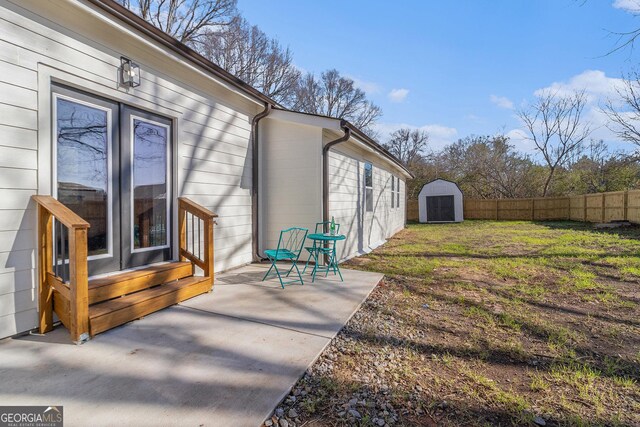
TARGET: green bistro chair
(318,248)
(289,248)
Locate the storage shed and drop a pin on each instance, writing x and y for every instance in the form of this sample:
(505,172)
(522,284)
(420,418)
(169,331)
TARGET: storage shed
(440,201)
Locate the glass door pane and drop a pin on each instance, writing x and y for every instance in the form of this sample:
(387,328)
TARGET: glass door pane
(86,164)
(83,167)
(146,188)
(149,168)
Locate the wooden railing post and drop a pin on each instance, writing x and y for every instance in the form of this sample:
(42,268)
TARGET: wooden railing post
(208,248)
(182,228)
(79,285)
(204,258)
(45,264)
(76,298)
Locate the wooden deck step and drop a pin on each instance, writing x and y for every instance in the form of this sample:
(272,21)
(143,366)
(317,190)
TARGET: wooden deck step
(106,288)
(109,314)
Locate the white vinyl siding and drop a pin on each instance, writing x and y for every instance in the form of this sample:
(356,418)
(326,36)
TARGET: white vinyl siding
(42,41)
(291,178)
(364,230)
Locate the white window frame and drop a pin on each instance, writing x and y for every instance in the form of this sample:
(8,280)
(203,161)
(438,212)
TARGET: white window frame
(393,191)
(366,199)
(132,119)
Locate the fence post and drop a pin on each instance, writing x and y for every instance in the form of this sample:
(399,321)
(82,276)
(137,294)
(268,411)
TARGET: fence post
(626,205)
(603,208)
(584,208)
(496,209)
(533,207)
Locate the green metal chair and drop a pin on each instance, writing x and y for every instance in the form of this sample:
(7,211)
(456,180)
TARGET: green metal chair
(317,249)
(289,248)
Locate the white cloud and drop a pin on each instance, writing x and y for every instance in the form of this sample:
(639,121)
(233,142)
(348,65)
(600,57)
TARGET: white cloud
(595,83)
(370,88)
(502,101)
(631,6)
(398,95)
(439,136)
(518,138)
(598,89)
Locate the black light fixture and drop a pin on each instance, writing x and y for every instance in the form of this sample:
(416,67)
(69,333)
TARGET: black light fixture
(130,72)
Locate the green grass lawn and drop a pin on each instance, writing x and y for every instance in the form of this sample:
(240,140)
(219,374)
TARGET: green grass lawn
(491,323)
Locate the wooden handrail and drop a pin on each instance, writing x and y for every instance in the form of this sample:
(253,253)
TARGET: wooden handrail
(195,209)
(204,256)
(62,213)
(76,294)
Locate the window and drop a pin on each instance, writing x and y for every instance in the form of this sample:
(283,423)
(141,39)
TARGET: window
(368,186)
(393,191)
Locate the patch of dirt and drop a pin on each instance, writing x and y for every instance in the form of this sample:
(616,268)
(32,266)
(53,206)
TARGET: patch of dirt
(360,261)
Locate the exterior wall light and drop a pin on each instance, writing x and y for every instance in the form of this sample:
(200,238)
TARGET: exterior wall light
(130,72)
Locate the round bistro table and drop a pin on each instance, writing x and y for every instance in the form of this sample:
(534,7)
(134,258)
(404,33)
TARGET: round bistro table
(319,239)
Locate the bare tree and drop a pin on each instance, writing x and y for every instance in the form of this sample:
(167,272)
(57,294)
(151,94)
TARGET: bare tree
(556,126)
(247,52)
(490,167)
(627,39)
(336,96)
(186,20)
(625,118)
(214,29)
(408,145)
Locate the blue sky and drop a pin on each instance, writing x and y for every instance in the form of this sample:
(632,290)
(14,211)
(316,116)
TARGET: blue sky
(457,68)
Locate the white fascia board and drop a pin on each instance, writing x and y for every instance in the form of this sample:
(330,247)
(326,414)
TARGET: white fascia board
(306,119)
(119,26)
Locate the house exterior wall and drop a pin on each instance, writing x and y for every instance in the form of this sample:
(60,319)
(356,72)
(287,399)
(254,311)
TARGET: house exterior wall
(67,42)
(290,178)
(364,230)
(440,187)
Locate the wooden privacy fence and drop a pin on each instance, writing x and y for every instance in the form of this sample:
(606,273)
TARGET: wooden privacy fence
(538,209)
(412,210)
(598,207)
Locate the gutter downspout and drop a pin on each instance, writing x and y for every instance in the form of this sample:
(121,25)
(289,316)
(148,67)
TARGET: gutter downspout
(325,168)
(256,180)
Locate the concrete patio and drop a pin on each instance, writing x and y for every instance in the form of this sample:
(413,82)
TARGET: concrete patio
(224,358)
